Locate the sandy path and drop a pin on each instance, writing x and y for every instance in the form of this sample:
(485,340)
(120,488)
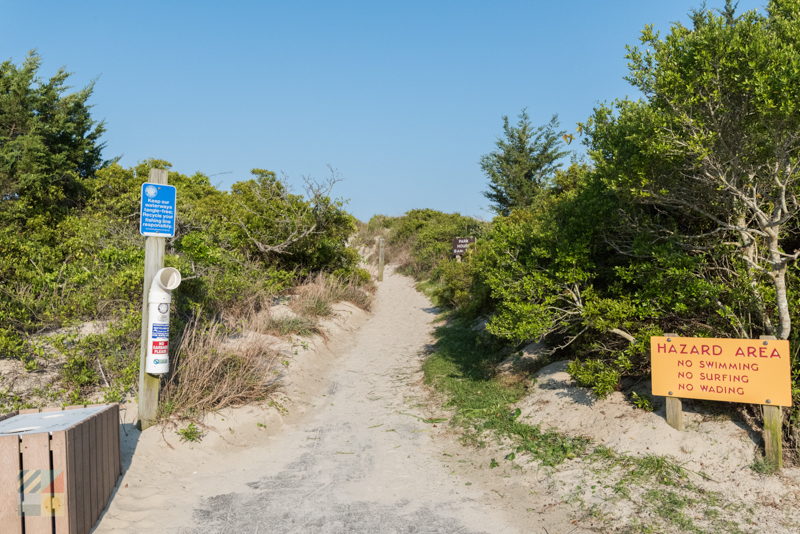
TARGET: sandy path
(360,459)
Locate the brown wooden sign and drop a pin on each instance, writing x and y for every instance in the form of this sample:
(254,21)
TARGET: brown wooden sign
(754,371)
(461,244)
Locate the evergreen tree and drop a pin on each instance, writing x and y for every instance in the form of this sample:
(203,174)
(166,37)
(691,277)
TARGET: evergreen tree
(524,163)
(49,144)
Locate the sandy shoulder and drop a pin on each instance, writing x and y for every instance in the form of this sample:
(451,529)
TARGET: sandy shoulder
(164,478)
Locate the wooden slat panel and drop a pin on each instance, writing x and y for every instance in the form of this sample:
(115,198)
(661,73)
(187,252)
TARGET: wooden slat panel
(111,427)
(85,492)
(117,445)
(99,496)
(29,410)
(75,513)
(36,477)
(60,446)
(94,490)
(99,454)
(102,458)
(10,517)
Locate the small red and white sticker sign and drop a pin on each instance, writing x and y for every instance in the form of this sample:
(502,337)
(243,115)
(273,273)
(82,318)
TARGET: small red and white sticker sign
(160,347)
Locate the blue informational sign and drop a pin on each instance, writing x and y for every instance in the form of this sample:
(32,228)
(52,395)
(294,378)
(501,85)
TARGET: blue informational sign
(160,330)
(157,217)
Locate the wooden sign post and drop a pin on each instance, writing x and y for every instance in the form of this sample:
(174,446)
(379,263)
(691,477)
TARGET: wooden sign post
(460,246)
(773,431)
(754,371)
(380,259)
(149,385)
(674,408)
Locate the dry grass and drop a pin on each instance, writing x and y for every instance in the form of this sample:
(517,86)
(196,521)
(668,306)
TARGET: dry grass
(282,325)
(257,316)
(245,309)
(399,254)
(210,372)
(208,375)
(316,297)
(287,326)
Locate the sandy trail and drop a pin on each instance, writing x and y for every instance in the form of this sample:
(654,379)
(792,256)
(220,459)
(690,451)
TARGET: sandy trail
(359,459)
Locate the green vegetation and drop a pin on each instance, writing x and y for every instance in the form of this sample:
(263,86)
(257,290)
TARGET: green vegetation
(763,467)
(191,433)
(643,401)
(71,254)
(664,494)
(523,164)
(683,218)
(420,240)
(420,244)
(459,367)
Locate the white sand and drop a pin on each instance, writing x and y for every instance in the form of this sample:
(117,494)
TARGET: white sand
(346,449)
(717,446)
(351,454)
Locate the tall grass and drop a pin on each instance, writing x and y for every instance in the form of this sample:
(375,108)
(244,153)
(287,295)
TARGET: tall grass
(209,373)
(664,494)
(257,316)
(315,298)
(212,371)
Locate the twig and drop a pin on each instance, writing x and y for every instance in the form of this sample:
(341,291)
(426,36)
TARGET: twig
(100,366)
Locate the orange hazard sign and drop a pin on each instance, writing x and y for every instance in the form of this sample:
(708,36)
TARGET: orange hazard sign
(755,371)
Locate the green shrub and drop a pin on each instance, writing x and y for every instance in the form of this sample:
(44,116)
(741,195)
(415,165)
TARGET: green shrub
(71,249)
(428,235)
(191,433)
(599,376)
(459,287)
(88,266)
(79,372)
(12,346)
(642,401)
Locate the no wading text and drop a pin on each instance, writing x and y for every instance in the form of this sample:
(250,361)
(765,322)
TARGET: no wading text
(733,370)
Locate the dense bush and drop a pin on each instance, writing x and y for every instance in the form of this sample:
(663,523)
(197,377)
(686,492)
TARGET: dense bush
(685,220)
(70,250)
(422,238)
(459,286)
(88,265)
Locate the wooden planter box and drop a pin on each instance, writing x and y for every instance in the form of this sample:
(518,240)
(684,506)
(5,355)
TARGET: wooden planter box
(58,468)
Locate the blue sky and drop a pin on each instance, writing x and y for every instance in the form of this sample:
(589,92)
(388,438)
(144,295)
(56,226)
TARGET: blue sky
(401,98)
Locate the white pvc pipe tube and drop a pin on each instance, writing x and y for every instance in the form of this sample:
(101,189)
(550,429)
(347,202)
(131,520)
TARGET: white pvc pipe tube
(159,299)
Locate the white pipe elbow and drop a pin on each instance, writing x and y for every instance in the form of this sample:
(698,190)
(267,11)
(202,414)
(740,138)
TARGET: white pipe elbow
(164,282)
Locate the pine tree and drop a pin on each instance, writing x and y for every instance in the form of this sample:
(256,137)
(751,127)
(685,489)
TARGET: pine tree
(524,163)
(49,144)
